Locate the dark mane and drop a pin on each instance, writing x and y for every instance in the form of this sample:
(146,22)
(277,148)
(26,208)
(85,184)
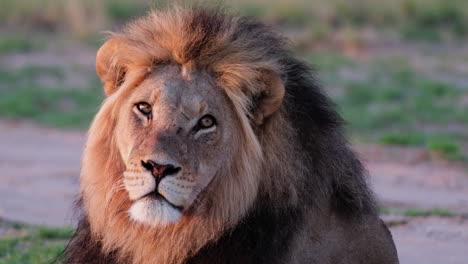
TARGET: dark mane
(334,165)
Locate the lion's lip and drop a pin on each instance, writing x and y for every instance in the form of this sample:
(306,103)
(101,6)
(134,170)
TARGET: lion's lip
(156,195)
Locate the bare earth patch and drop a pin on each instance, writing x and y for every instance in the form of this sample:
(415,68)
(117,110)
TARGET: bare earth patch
(40,169)
(409,177)
(432,240)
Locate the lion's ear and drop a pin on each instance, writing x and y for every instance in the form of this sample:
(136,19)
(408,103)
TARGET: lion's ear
(270,99)
(109,66)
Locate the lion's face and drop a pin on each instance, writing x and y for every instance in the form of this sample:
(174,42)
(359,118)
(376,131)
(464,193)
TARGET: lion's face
(174,135)
(176,140)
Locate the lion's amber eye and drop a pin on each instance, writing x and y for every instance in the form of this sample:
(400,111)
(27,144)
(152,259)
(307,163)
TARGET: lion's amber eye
(206,121)
(144,108)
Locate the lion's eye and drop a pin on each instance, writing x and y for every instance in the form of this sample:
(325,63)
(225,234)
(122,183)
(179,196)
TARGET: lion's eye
(206,121)
(144,108)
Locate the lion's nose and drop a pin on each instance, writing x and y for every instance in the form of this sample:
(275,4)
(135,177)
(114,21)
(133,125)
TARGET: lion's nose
(160,171)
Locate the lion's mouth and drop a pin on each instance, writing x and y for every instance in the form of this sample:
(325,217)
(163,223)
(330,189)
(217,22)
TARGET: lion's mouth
(157,196)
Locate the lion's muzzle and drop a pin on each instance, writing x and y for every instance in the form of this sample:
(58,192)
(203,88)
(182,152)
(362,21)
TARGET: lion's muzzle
(159,171)
(160,193)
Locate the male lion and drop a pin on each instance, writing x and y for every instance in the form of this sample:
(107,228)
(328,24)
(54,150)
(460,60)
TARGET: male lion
(215,145)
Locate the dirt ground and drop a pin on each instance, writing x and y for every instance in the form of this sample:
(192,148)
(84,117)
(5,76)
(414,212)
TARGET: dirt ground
(40,169)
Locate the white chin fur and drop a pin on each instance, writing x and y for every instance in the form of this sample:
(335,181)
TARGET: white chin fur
(154,212)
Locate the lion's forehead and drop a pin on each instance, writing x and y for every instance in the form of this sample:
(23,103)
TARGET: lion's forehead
(168,88)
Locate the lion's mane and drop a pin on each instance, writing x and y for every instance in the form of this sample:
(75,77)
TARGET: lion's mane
(303,161)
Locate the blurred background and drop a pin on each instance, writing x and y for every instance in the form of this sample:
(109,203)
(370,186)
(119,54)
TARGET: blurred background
(397,70)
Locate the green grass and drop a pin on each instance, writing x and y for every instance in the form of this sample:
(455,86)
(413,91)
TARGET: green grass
(29,74)
(413,32)
(392,104)
(403,139)
(395,104)
(427,22)
(442,146)
(415,212)
(329,61)
(53,107)
(446,147)
(120,10)
(32,244)
(22,96)
(54,232)
(14,43)
(412,212)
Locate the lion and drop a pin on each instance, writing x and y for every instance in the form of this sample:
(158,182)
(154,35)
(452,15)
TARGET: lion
(216,145)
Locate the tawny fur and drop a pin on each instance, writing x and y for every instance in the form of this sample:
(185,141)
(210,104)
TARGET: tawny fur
(295,159)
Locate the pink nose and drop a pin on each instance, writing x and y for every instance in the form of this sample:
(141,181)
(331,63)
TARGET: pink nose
(160,171)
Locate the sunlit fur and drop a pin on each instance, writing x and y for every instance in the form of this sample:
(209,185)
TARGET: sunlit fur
(297,160)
